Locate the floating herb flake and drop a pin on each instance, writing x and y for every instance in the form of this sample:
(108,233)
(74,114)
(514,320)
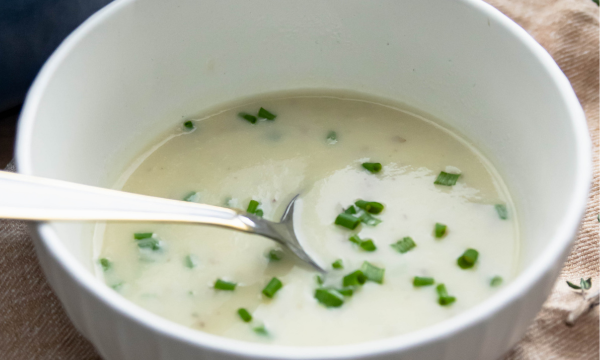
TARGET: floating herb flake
(440,230)
(373,168)
(446,179)
(332,138)
(372,272)
(502,211)
(329,297)
(404,245)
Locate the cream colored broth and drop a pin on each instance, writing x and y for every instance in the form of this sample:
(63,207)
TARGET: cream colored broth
(229,161)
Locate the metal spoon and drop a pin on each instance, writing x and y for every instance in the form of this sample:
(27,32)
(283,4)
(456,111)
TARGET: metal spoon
(34,198)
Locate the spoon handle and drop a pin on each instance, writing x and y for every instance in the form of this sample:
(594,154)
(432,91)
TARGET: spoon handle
(34,198)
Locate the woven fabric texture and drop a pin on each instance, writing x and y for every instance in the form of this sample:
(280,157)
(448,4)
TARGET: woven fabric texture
(34,326)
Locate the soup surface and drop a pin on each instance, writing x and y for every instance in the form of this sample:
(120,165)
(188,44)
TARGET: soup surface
(433,251)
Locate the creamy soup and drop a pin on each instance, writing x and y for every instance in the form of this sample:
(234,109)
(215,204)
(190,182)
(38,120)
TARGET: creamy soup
(413,224)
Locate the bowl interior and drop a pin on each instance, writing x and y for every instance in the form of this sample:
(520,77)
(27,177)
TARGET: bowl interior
(143,66)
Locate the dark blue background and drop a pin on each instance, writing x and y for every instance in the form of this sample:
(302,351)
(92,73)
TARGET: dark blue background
(30,30)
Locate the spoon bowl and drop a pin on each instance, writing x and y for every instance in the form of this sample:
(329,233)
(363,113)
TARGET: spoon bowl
(35,198)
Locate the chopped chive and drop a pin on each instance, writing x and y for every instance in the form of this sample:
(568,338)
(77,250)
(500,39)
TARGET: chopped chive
(496,281)
(440,230)
(404,245)
(189,125)
(148,243)
(260,330)
(252,207)
(443,297)
(140,236)
(191,261)
(372,207)
(502,211)
(275,255)
(355,239)
(585,284)
(272,287)
(356,278)
(348,221)
(351,210)
(224,285)
(106,264)
(192,197)
(372,167)
(329,297)
(319,280)
(332,138)
(366,245)
(251,118)
(372,272)
(265,114)
(422,281)
(259,213)
(468,259)
(446,179)
(338,264)
(369,219)
(244,314)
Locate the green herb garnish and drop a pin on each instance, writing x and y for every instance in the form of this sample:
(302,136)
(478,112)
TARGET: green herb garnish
(446,179)
(440,230)
(260,330)
(259,213)
(265,114)
(140,236)
(468,259)
(191,261)
(422,281)
(496,281)
(372,272)
(272,287)
(338,264)
(251,118)
(372,207)
(502,211)
(366,245)
(244,314)
(319,280)
(443,298)
(224,285)
(373,168)
(583,284)
(404,245)
(252,206)
(351,210)
(192,197)
(356,278)
(106,264)
(369,219)
(275,255)
(188,125)
(332,138)
(147,241)
(329,297)
(348,221)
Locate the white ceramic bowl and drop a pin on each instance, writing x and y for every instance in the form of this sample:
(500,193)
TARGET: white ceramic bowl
(137,67)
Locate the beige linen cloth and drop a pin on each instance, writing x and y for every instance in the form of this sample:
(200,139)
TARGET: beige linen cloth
(33,324)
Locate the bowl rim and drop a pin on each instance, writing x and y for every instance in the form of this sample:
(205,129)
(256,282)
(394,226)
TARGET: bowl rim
(545,261)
